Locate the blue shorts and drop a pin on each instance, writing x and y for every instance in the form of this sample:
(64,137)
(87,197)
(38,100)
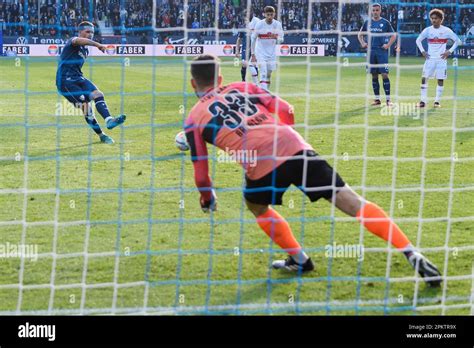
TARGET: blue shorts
(378,56)
(76,89)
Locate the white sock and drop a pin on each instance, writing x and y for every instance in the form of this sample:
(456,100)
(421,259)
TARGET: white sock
(424,92)
(300,258)
(265,85)
(254,73)
(439,93)
(409,248)
(108,118)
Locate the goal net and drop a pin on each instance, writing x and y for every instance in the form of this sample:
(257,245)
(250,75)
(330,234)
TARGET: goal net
(91,228)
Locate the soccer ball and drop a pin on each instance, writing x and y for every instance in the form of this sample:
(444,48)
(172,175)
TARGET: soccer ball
(181,142)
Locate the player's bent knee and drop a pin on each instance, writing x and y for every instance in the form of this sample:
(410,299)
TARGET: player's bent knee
(348,201)
(256,209)
(96,94)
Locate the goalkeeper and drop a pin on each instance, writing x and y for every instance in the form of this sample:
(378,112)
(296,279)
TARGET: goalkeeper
(240,117)
(76,88)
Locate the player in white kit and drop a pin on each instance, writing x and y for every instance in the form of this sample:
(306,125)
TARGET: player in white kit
(266,35)
(436,58)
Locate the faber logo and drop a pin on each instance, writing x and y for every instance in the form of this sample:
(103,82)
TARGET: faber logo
(37,331)
(228,50)
(285,50)
(169,50)
(131,49)
(53,50)
(110,49)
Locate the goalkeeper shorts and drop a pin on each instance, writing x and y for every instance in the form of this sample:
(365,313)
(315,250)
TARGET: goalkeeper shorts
(317,180)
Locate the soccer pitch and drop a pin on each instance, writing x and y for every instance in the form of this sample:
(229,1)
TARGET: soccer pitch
(119,228)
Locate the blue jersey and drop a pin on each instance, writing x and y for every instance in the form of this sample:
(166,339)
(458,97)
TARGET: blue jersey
(378,27)
(71,61)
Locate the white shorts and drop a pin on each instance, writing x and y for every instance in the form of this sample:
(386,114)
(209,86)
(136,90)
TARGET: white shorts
(435,68)
(267,64)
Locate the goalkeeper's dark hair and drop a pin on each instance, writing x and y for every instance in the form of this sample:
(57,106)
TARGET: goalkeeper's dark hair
(205,69)
(437,12)
(83,25)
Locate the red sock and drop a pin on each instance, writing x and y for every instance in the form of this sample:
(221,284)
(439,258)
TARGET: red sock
(278,229)
(383,226)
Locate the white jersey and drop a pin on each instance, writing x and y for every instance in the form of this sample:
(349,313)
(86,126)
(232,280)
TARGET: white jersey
(437,40)
(253,23)
(266,42)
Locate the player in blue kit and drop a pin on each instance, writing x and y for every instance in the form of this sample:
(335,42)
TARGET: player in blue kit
(378,50)
(77,89)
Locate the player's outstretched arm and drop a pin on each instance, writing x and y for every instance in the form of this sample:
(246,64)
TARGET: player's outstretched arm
(199,157)
(82,41)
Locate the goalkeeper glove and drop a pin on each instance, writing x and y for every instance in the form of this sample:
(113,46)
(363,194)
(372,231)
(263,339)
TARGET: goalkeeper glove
(211,204)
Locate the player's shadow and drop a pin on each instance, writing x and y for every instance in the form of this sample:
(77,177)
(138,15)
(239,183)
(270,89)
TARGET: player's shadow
(74,150)
(47,154)
(254,297)
(343,116)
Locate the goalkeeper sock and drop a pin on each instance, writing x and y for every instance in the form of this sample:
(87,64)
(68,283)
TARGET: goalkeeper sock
(254,73)
(376,87)
(439,93)
(386,88)
(278,229)
(383,227)
(424,92)
(101,107)
(243,72)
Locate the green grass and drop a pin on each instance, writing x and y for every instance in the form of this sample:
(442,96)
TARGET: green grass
(120,189)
